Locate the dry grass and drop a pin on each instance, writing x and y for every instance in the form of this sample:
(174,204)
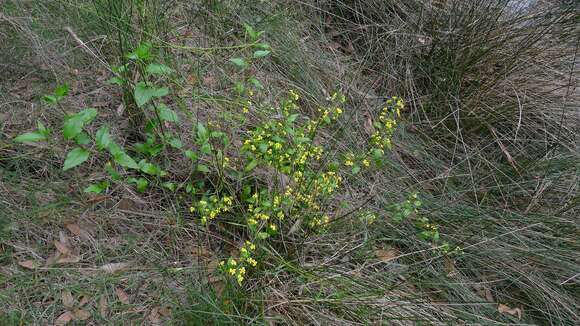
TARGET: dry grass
(491,144)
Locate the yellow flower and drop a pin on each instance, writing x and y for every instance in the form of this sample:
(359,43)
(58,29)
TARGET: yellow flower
(366,163)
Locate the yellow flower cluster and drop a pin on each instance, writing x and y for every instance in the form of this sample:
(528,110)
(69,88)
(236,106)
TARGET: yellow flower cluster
(385,127)
(210,207)
(238,268)
(261,208)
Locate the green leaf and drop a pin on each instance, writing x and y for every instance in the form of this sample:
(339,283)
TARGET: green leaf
(251,165)
(291,118)
(202,133)
(50,99)
(143,93)
(125,160)
(31,137)
(82,138)
(61,91)
(255,82)
(261,53)
(202,168)
(97,188)
(141,183)
(75,157)
(103,138)
(263,235)
(151,168)
(166,114)
(169,185)
(355,169)
(262,46)
(158,69)
(42,129)
(143,52)
(116,81)
(205,148)
(191,155)
(74,124)
(251,32)
(112,172)
(175,143)
(239,62)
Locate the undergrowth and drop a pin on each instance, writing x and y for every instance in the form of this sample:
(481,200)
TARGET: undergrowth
(323,162)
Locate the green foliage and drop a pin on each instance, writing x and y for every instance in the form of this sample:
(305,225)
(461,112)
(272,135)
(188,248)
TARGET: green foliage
(144,93)
(75,157)
(74,125)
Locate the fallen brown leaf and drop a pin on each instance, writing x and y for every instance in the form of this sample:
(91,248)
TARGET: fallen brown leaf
(68,259)
(165,311)
(62,248)
(30,264)
(103,306)
(154,316)
(63,238)
(505,309)
(98,199)
(64,319)
(114,267)
(386,255)
(81,314)
(67,299)
(83,300)
(200,251)
(74,229)
(122,295)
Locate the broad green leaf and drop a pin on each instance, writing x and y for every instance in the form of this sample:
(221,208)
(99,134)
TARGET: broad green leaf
(175,143)
(205,148)
(82,138)
(191,155)
(169,185)
(97,188)
(251,165)
(355,169)
(141,183)
(94,188)
(239,62)
(103,138)
(202,133)
(202,168)
(31,137)
(166,114)
(143,93)
(158,69)
(74,124)
(261,53)
(151,168)
(143,52)
(125,160)
(75,157)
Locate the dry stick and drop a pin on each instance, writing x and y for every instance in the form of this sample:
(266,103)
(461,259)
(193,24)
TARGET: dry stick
(86,47)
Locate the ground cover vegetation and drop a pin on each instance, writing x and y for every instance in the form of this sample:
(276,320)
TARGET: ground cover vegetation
(289,162)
